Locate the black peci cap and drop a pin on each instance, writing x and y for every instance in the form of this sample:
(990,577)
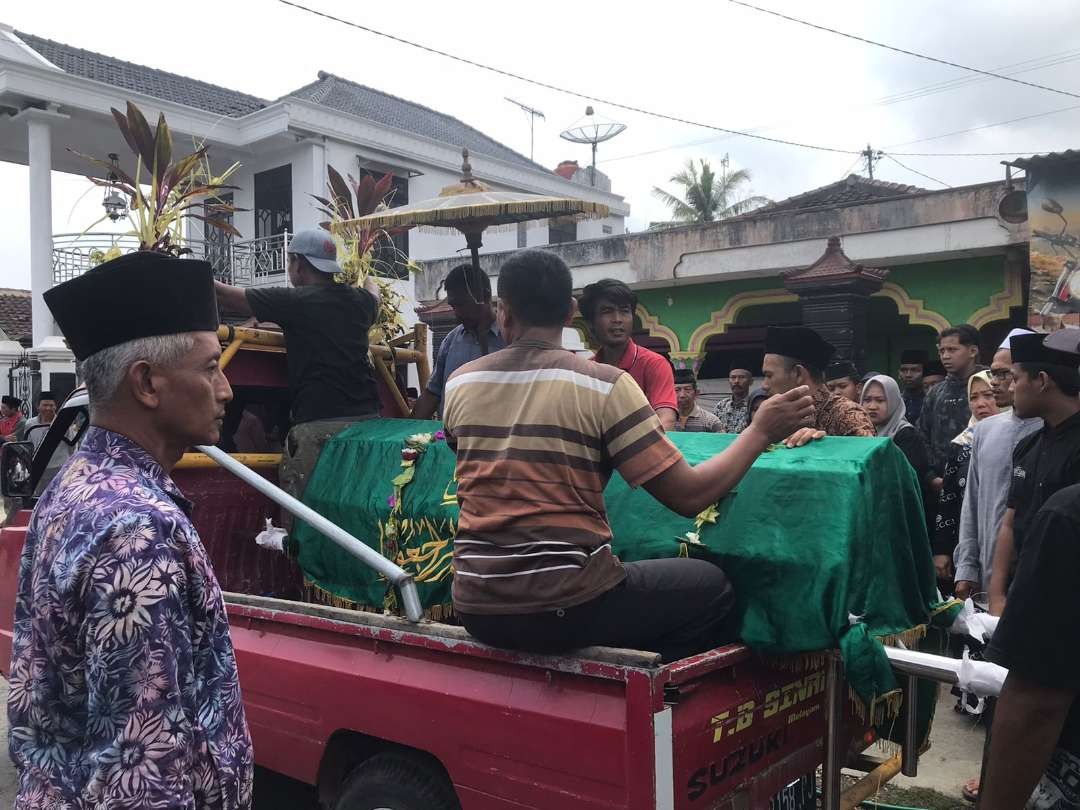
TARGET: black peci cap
(1062,348)
(139,295)
(934,369)
(914,357)
(685,376)
(840,370)
(801,343)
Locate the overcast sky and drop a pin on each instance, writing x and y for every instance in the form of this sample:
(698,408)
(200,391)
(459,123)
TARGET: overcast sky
(715,63)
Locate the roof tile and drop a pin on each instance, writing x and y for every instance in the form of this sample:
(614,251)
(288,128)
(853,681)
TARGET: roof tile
(328,91)
(15,318)
(366,102)
(849,191)
(146,80)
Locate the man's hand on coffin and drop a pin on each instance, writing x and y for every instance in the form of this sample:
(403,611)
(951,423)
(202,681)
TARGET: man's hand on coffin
(963,589)
(781,415)
(803,436)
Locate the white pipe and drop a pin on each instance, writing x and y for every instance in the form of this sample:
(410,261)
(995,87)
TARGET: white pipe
(982,678)
(367,555)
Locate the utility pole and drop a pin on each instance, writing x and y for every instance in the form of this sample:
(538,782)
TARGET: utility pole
(871,156)
(533,115)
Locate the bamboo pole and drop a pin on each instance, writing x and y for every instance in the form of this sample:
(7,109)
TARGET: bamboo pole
(229,354)
(257,461)
(423,365)
(267,337)
(391,383)
(870,784)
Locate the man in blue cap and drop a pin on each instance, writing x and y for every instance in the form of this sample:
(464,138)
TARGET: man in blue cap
(326,335)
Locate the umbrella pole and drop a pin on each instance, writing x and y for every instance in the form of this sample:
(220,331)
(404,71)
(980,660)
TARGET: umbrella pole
(473,240)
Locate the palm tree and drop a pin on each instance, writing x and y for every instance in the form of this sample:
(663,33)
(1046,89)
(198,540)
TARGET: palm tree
(706,196)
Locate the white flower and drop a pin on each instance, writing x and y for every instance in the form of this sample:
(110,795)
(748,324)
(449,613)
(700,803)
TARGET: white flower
(133,760)
(131,535)
(124,604)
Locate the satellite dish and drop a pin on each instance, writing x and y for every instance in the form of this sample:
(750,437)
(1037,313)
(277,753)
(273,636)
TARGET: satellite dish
(592,129)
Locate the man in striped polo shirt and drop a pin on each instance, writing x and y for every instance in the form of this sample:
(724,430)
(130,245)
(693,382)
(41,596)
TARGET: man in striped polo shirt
(538,431)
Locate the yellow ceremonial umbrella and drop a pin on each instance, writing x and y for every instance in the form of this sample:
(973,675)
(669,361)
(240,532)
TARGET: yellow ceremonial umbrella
(471,207)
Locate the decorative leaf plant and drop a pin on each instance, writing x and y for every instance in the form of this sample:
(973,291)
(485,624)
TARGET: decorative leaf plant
(366,253)
(163,192)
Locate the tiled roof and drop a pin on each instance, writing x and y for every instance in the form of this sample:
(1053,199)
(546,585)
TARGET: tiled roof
(834,263)
(366,102)
(849,191)
(15,309)
(1068,156)
(328,90)
(141,79)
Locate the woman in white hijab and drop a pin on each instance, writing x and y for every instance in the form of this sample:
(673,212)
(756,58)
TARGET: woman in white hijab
(883,404)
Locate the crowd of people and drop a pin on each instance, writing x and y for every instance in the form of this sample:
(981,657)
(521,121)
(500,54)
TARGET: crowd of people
(124,689)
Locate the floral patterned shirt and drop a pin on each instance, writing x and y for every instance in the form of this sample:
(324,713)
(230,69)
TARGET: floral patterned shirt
(124,689)
(734,416)
(839,416)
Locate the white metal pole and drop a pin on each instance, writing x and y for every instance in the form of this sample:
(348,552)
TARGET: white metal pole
(367,555)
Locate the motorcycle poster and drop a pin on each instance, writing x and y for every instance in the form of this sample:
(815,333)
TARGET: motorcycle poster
(1053,193)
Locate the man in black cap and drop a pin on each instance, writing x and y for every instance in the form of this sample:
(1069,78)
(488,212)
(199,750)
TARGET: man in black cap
(797,355)
(692,417)
(844,380)
(123,687)
(912,365)
(1045,384)
(326,328)
(37,427)
(933,374)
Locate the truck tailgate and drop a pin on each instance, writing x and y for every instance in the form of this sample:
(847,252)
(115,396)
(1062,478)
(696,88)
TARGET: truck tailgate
(739,723)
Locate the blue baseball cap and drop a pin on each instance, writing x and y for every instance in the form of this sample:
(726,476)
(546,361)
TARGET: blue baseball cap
(317,246)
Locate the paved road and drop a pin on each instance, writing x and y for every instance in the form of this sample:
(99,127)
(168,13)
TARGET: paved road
(953,759)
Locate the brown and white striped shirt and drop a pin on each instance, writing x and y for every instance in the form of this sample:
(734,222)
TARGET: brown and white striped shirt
(538,431)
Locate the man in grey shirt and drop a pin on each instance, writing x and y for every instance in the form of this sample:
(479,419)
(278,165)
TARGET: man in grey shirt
(468,292)
(989,477)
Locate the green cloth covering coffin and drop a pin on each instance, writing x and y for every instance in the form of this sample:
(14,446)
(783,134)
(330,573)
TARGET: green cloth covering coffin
(826,544)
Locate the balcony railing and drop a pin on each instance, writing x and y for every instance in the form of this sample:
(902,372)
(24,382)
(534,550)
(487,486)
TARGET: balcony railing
(249,263)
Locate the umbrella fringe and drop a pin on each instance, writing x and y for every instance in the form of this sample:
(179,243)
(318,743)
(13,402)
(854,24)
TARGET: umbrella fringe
(455,217)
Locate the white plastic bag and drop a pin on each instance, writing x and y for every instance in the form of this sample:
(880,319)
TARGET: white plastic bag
(272,537)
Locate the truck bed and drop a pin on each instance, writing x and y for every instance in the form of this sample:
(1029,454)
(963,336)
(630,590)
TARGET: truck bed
(600,727)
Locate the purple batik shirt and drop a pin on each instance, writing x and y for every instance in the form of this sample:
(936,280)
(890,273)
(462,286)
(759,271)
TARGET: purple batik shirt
(124,690)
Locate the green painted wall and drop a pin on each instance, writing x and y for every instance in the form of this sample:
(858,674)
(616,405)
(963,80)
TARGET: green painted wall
(693,304)
(955,289)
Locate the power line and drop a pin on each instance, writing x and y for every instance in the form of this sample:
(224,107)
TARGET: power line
(913,171)
(988,126)
(912,94)
(662,116)
(1013,69)
(546,86)
(990,73)
(1013,153)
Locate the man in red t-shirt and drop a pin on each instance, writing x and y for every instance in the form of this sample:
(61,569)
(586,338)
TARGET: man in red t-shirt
(608,307)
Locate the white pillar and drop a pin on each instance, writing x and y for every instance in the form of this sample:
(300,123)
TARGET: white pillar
(39,134)
(40,225)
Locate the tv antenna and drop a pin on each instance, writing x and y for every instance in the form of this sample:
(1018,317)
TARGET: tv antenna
(533,115)
(592,129)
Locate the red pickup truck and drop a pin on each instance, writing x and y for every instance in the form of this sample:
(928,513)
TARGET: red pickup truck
(381,712)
